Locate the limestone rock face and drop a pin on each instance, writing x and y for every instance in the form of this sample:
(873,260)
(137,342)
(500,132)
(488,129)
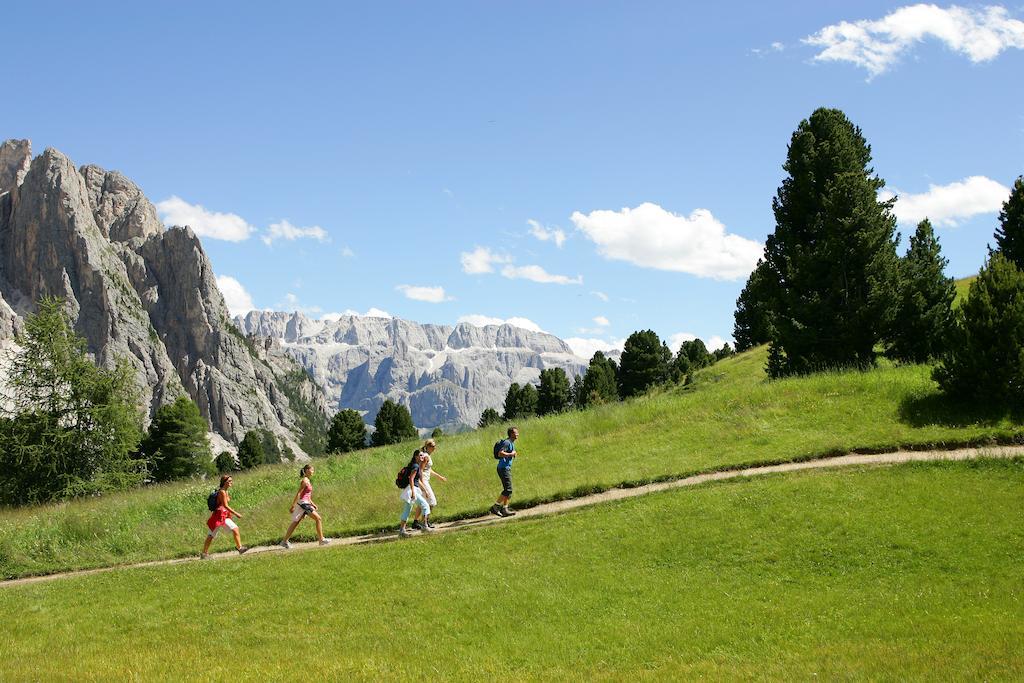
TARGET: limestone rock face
(138,292)
(15,157)
(445,375)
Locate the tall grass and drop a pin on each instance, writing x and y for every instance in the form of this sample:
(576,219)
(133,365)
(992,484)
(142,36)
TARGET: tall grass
(729,417)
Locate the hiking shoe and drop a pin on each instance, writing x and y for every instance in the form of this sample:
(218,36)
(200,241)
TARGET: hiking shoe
(497,510)
(324,541)
(427,529)
(417,524)
(404,533)
(204,556)
(507,513)
(243,550)
(430,527)
(285,544)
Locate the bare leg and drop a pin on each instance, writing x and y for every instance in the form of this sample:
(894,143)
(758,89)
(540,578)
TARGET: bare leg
(291,530)
(206,545)
(238,538)
(319,526)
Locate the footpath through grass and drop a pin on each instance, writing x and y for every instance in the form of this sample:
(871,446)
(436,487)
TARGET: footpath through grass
(895,573)
(731,416)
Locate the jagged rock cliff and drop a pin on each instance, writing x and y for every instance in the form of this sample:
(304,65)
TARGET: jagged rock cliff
(136,291)
(445,375)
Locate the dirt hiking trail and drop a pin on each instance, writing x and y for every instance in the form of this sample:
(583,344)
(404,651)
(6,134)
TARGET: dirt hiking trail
(851,460)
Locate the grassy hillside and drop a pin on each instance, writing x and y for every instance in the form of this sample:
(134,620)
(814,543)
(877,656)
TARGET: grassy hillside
(731,416)
(962,287)
(907,572)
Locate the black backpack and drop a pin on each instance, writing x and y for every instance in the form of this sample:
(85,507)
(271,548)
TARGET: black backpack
(497,448)
(402,480)
(211,500)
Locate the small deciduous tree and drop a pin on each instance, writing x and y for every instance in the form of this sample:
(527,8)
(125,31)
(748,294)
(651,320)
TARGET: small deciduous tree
(1010,233)
(924,306)
(554,394)
(644,363)
(985,359)
(347,432)
(176,445)
(393,424)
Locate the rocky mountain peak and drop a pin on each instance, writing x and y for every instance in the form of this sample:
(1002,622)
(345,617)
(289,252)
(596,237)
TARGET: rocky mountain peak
(15,158)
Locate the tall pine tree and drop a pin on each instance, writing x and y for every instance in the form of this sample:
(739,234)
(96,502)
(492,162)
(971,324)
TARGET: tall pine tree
(347,432)
(554,394)
(1010,233)
(752,325)
(600,382)
(645,362)
(393,424)
(925,301)
(176,445)
(832,260)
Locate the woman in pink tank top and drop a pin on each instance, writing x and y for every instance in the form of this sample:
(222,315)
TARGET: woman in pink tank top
(302,505)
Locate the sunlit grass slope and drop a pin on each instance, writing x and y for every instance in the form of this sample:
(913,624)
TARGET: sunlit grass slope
(730,416)
(897,573)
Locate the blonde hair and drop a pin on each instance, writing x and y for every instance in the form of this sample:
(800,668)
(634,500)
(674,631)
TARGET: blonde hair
(429,442)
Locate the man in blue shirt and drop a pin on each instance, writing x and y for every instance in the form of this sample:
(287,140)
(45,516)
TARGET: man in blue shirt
(505,453)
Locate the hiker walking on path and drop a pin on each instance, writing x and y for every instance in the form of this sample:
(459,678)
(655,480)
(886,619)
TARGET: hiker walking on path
(303,500)
(505,453)
(409,479)
(426,471)
(221,517)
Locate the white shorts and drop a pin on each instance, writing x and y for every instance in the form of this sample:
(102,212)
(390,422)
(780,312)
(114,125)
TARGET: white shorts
(428,493)
(300,512)
(229,523)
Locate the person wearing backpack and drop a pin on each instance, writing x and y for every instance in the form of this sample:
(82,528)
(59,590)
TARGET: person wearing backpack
(220,516)
(505,453)
(303,500)
(408,480)
(426,470)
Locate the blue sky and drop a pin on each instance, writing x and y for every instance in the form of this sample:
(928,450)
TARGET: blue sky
(409,157)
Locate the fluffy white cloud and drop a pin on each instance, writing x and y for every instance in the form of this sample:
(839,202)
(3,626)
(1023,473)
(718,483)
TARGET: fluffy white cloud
(538,274)
(238,300)
(651,237)
(372,313)
(602,321)
(433,295)
(712,343)
(485,320)
(586,347)
(212,224)
(556,235)
(949,204)
(286,231)
(481,260)
(876,45)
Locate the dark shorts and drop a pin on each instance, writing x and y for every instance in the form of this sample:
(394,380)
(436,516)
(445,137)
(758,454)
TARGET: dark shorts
(505,474)
(307,508)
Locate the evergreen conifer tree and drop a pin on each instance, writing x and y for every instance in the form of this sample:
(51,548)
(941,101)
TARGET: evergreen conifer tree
(393,424)
(1010,233)
(250,451)
(752,325)
(224,463)
(554,394)
(579,400)
(831,262)
(511,409)
(985,359)
(924,310)
(600,383)
(176,445)
(489,417)
(347,432)
(645,363)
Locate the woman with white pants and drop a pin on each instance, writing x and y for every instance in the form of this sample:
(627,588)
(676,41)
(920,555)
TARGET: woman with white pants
(426,470)
(413,494)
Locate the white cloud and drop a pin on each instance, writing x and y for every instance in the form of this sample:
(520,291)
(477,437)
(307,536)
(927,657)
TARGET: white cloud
(433,295)
(585,347)
(651,237)
(876,45)
(481,260)
(950,204)
(347,252)
(712,343)
(291,303)
(778,47)
(538,274)
(238,300)
(602,321)
(372,313)
(287,231)
(556,235)
(213,224)
(600,295)
(485,320)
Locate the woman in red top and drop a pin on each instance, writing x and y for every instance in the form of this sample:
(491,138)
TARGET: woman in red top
(221,517)
(304,501)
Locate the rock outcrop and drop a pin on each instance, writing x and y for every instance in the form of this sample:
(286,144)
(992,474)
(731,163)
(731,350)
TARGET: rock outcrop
(138,292)
(445,375)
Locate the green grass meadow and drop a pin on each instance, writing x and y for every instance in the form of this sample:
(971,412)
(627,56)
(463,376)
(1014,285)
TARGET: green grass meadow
(730,416)
(892,573)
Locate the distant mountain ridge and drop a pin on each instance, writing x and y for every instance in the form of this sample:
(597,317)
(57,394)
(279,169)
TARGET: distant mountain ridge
(138,291)
(446,375)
